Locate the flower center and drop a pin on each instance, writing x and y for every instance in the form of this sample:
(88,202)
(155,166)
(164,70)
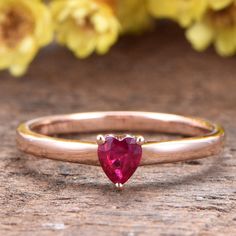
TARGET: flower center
(86,23)
(15,25)
(223,18)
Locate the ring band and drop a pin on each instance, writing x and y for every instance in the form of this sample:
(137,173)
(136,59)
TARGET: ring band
(36,137)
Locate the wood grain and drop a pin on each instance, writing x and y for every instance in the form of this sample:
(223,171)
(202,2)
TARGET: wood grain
(157,72)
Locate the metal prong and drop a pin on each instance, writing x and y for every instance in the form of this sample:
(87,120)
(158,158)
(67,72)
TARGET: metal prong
(100,139)
(119,186)
(140,140)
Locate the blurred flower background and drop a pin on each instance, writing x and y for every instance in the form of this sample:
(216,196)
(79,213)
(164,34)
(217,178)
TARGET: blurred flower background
(88,26)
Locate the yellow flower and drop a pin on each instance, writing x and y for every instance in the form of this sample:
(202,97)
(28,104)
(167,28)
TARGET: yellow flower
(25,26)
(218,27)
(85,26)
(182,11)
(133,15)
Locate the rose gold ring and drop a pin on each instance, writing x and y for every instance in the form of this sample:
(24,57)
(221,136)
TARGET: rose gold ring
(120,155)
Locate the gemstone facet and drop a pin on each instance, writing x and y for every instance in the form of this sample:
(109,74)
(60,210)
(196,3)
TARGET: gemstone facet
(119,158)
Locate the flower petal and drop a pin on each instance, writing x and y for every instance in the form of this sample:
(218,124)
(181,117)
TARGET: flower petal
(225,43)
(219,4)
(200,36)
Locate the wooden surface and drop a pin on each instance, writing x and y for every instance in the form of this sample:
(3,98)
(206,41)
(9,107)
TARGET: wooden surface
(155,72)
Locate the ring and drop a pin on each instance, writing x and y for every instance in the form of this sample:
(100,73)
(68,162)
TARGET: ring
(120,154)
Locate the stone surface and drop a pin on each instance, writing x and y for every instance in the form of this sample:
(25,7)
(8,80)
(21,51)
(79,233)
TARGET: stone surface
(155,72)
(119,158)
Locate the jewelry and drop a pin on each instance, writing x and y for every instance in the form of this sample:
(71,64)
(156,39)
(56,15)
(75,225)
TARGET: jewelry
(120,155)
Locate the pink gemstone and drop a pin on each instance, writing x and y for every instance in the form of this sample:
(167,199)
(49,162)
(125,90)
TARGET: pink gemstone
(119,158)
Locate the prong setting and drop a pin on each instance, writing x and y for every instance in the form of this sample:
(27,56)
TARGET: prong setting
(140,140)
(119,186)
(100,139)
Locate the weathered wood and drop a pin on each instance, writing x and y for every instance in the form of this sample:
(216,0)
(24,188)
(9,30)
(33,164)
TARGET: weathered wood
(157,72)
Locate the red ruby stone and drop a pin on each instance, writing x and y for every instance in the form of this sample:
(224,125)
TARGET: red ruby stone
(119,158)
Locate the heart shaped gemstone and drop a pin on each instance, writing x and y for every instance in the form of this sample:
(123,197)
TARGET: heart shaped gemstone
(119,158)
